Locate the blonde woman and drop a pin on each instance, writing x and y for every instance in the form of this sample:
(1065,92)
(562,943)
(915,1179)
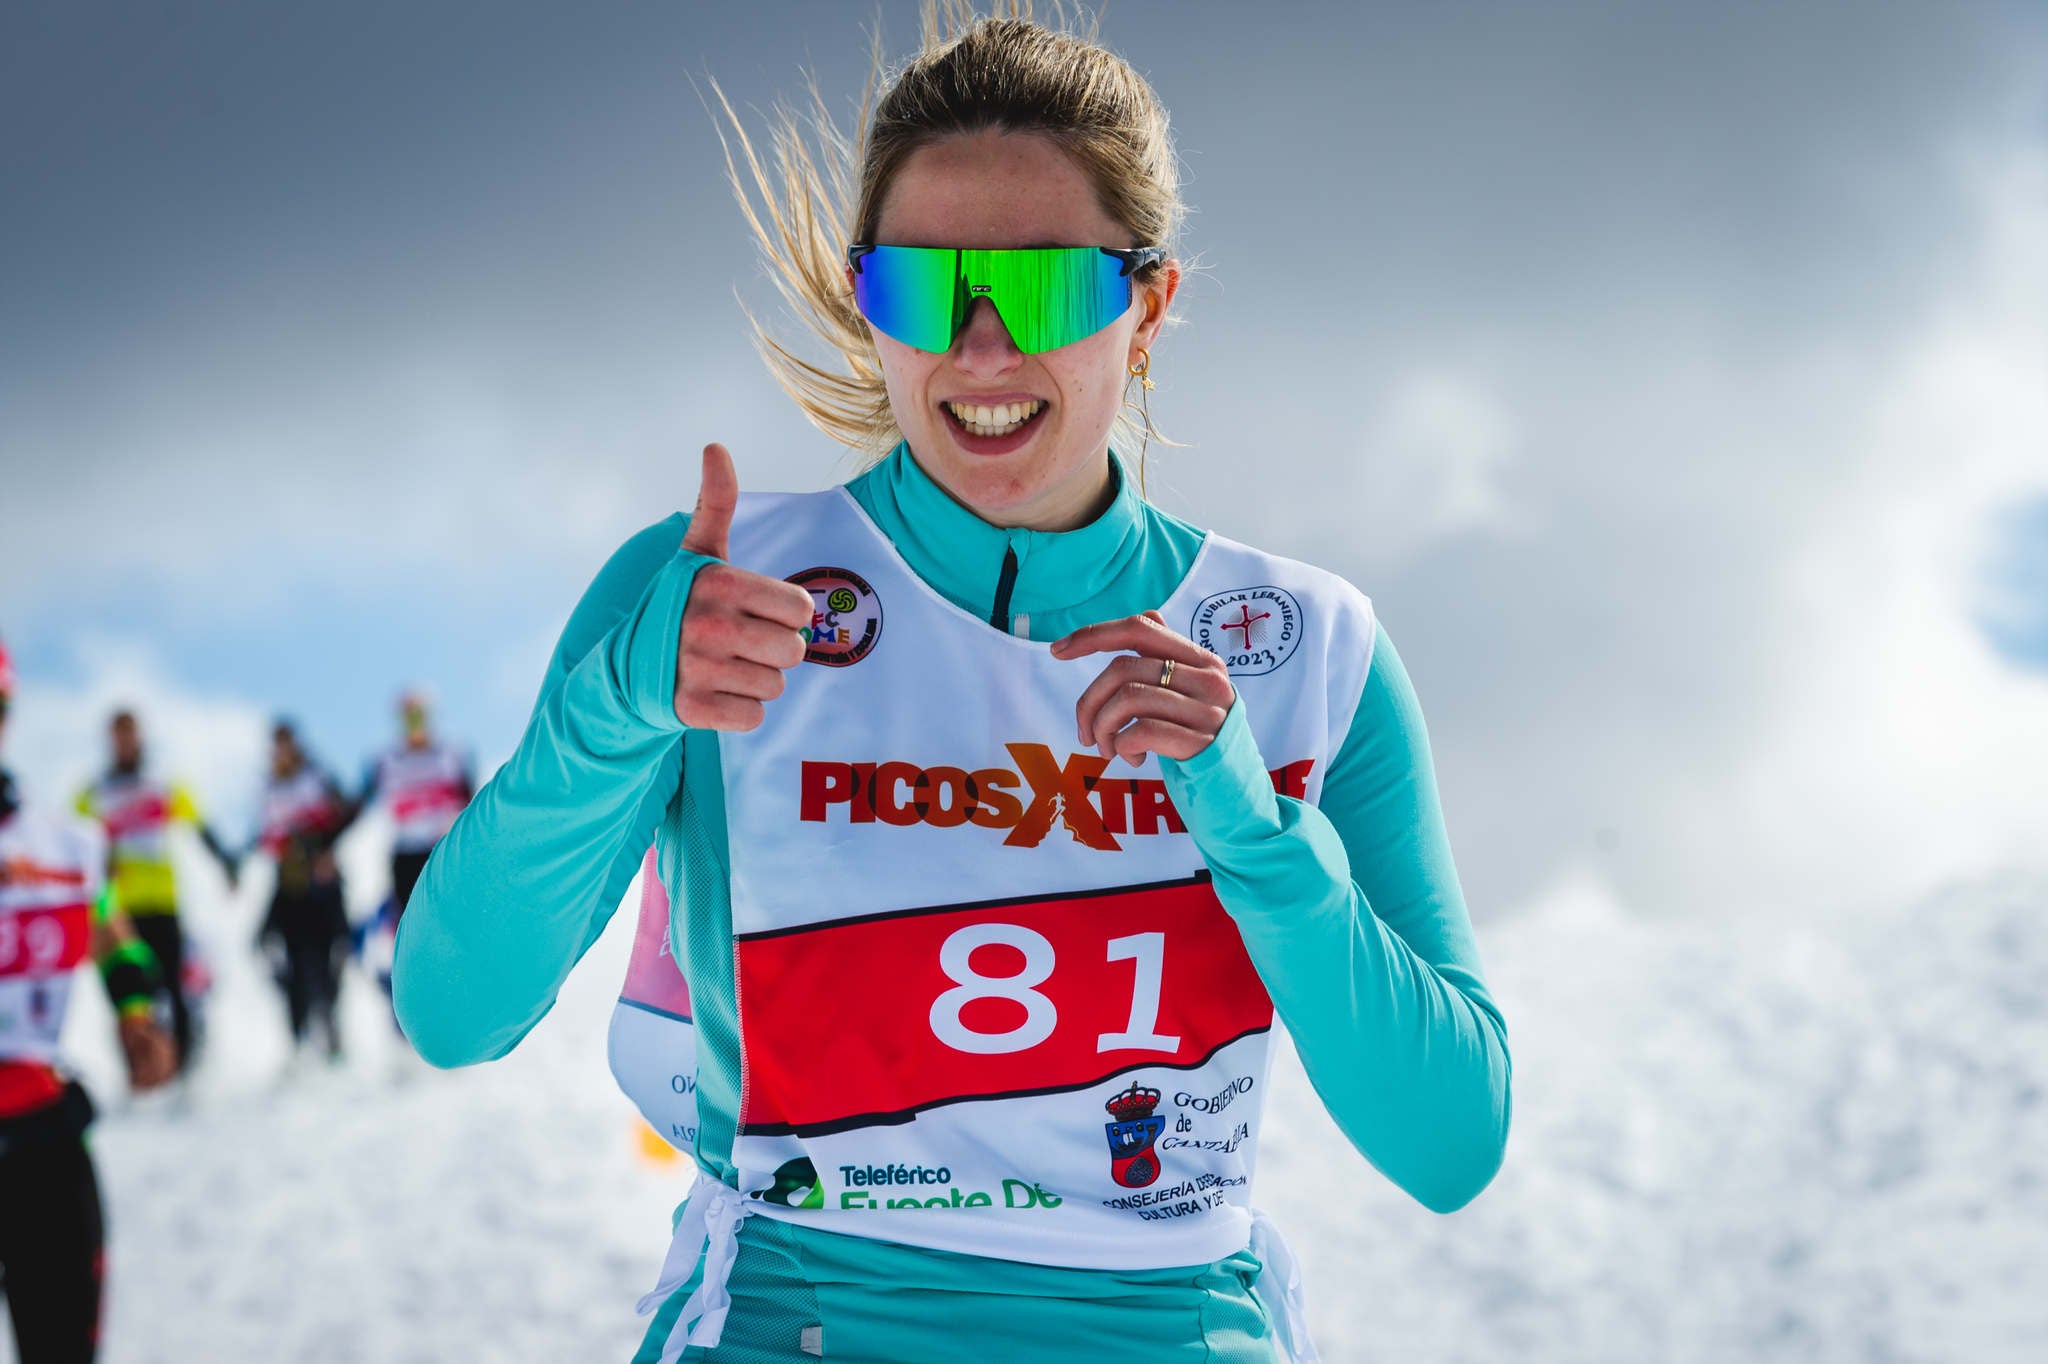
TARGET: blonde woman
(1002,814)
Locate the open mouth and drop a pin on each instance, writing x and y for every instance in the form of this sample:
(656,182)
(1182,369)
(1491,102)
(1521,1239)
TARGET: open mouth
(1003,419)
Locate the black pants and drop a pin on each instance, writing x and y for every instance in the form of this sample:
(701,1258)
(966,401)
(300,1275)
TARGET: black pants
(312,985)
(51,1233)
(313,929)
(405,874)
(165,936)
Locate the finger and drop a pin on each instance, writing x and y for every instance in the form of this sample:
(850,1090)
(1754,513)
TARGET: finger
(718,492)
(768,643)
(1138,701)
(740,591)
(782,602)
(1162,737)
(721,633)
(740,677)
(1119,673)
(1146,634)
(721,710)
(1204,682)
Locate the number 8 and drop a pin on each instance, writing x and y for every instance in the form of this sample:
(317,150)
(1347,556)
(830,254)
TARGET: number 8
(1040,1017)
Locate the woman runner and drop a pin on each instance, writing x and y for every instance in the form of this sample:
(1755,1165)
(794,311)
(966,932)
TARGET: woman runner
(1002,813)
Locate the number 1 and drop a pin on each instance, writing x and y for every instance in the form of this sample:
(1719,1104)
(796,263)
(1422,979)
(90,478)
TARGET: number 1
(1148,950)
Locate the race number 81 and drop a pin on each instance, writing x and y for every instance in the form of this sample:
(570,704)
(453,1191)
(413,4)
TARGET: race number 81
(1041,1016)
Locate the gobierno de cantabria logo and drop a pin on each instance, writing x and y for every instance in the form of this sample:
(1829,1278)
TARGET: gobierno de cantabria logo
(1133,1130)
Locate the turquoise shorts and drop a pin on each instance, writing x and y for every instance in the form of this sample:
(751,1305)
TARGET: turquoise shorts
(801,1293)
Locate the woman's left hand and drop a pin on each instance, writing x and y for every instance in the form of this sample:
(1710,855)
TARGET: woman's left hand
(1167,696)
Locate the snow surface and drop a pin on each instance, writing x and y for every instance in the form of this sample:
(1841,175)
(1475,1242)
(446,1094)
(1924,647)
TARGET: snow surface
(1739,1141)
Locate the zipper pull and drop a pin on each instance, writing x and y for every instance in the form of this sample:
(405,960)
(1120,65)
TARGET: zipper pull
(1006,583)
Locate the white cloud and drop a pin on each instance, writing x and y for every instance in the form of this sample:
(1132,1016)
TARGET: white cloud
(1430,465)
(1872,744)
(428,466)
(1901,749)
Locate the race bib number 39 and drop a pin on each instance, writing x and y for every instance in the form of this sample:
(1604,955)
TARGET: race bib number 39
(871,1020)
(44,942)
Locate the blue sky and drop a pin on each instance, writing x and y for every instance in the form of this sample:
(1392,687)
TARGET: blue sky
(1668,375)
(2018,621)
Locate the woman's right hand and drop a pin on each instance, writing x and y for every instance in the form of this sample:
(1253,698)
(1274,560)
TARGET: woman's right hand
(741,630)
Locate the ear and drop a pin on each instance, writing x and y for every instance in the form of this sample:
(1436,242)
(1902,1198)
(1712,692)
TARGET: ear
(1158,298)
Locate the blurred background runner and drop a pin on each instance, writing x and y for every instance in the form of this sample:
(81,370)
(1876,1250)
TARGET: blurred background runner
(138,808)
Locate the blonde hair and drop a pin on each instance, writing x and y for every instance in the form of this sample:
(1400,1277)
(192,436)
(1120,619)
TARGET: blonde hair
(1004,71)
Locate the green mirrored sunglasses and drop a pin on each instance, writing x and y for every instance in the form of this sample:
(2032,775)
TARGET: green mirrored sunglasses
(1047,296)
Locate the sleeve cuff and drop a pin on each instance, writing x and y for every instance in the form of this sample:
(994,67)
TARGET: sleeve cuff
(650,642)
(1224,793)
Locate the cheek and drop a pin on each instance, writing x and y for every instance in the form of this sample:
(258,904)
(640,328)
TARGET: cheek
(906,373)
(1092,376)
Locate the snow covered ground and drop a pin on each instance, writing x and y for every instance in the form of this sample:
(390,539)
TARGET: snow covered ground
(1740,1141)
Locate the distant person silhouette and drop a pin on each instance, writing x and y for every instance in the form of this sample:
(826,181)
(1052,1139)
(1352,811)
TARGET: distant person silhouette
(56,912)
(305,931)
(138,807)
(425,784)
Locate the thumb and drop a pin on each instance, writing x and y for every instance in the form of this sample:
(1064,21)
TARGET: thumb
(718,492)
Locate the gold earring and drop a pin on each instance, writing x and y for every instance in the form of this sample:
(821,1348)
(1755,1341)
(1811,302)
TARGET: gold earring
(1143,367)
(1141,371)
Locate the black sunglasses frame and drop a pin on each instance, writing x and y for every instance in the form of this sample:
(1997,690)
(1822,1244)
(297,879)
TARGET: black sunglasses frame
(1135,258)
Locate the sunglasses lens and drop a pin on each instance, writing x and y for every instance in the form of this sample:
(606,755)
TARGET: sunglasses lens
(1047,297)
(909,293)
(1053,297)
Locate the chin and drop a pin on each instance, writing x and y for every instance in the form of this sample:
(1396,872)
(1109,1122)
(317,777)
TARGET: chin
(994,493)
(990,484)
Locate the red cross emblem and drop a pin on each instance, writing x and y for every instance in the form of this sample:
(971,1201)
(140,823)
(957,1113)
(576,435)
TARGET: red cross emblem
(1246,622)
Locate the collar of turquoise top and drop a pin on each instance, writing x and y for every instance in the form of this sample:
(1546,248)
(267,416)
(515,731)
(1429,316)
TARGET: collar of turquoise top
(961,555)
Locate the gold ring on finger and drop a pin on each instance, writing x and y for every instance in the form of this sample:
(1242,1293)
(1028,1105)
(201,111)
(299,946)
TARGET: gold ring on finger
(1166,674)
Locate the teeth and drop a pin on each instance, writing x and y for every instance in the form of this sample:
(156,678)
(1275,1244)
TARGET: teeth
(994,421)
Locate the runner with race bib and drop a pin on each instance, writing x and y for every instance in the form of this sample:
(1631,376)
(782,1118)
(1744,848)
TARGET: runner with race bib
(1004,815)
(57,913)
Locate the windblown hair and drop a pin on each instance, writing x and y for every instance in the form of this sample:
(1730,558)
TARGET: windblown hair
(1003,72)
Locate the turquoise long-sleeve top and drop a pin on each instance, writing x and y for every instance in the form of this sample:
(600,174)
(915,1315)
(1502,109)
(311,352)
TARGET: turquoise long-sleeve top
(1350,910)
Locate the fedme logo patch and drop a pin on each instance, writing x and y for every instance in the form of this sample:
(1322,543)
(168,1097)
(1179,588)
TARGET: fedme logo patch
(846,616)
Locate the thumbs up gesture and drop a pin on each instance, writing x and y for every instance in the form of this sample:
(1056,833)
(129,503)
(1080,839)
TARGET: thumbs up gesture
(741,630)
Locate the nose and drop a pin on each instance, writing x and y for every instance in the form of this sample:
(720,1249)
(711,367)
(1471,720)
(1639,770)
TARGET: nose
(984,347)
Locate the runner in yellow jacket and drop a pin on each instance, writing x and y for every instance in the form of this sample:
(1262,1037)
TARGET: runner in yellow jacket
(138,809)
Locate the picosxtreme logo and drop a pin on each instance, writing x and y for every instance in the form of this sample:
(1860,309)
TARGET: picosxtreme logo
(1025,800)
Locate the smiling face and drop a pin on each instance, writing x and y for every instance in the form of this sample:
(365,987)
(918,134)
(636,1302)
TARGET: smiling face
(995,190)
